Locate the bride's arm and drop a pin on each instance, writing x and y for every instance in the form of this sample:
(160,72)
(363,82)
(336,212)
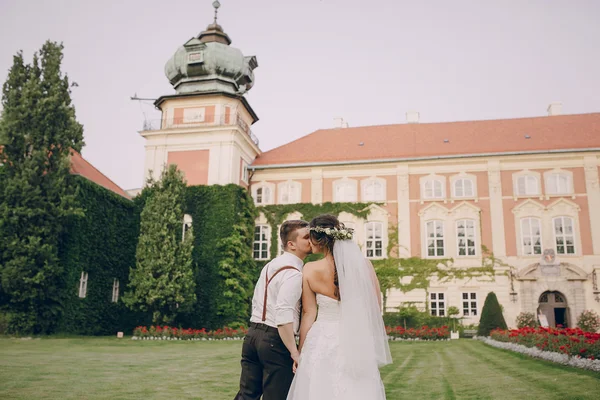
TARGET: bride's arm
(309,308)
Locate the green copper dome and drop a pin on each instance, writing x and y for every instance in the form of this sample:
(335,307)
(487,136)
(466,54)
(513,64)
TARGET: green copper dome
(207,63)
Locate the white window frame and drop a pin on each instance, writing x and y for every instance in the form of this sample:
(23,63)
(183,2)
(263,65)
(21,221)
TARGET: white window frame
(371,227)
(434,224)
(349,195)
(466,237)
(292,189)
(263,242)
(564,235)
(264,197)
(471,304)
(83,281)
(437,298)
(554,177)
(187,225)
(115,291)
(429,189)
(374,184)
(532,184)
(528,234)
(244,174)
(462,179)
(265,200)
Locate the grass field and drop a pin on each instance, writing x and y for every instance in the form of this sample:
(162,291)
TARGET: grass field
(103,368)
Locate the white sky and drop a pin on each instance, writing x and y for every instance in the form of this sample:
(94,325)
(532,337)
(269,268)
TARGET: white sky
(364,60)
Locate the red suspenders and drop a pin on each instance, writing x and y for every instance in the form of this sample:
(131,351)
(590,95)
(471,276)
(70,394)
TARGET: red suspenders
(267,281)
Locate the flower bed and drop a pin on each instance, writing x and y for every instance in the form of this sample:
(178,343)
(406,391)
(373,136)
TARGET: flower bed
(567,346)
(171,333)
(423,333)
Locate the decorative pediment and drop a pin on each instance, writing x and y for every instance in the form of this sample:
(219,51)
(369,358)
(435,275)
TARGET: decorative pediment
(293,215)
(528,208)
(565,271)
(376,212)
(465,210)
(434,211)
(563,206)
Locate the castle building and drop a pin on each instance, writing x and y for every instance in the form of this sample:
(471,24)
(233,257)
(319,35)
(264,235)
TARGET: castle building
(520,193)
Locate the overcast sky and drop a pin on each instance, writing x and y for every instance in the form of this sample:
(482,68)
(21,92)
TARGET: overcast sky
(367,61)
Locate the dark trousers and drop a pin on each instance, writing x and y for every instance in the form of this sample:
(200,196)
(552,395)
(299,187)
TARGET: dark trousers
(266,365)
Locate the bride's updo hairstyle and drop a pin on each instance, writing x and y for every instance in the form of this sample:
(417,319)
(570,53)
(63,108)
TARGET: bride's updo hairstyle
(324,241)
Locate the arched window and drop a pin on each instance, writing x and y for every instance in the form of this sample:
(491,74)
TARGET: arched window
(373,190)
(344,190)
(558,183)
(527,185)
(463,187)
(433,189)
(289,192)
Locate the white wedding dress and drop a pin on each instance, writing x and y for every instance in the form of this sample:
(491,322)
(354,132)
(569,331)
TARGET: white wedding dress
(320,374)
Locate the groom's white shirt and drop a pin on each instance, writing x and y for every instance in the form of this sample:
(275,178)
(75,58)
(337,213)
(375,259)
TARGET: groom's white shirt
(285,290)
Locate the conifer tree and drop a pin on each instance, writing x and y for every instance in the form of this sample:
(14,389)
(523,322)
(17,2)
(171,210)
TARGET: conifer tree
(491,316)
(162,281)
(39,131)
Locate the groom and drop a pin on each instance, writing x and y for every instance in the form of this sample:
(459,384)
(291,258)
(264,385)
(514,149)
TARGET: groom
(269,349)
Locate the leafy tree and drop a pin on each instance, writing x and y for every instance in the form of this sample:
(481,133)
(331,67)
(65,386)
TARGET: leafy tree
(491,316)
(163,280)
(389,274)
(39,131)
(235,269)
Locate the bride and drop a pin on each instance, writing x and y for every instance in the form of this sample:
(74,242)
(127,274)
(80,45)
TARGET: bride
(342,336)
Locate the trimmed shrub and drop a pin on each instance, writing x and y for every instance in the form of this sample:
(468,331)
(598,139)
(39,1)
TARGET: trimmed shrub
(491,316)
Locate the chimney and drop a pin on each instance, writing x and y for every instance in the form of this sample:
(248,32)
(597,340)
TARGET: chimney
(412,117)
(339,122)
(554,109)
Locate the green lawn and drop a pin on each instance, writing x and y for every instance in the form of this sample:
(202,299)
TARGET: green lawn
(102,368)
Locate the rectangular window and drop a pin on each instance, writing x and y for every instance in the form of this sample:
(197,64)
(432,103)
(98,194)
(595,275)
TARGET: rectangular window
(465,237)
(531,236)
(373,191)
(564,236)
(435,239)
(244,171)
(437,304)
(469,302)
(374,236)
(115,291)
(261,242)
(83,285)
(463,187)
(344,191)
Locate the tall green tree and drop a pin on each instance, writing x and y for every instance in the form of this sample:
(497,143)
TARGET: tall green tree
(39,131)
(388,274)
(236,271)
(491,316)
(162,281)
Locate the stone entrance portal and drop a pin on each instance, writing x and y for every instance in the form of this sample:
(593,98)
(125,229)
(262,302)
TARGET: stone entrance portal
(554,306)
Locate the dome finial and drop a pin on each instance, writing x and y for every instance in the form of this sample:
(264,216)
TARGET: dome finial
(216,4)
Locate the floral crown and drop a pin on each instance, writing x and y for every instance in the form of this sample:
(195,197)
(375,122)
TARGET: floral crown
(335,233)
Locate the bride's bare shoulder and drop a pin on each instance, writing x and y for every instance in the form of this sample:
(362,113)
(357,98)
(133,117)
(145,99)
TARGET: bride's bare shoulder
(313,267)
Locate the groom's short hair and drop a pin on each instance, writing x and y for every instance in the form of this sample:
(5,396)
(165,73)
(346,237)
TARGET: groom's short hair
(289,230)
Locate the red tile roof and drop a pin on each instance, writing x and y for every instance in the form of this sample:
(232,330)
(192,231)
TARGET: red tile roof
(447,139)
(81,166)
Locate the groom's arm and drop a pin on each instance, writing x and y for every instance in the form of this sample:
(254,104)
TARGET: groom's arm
(287,298)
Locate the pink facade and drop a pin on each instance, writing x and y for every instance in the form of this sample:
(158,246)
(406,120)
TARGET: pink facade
(193,163)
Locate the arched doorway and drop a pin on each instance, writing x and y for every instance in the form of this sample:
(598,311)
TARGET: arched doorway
(554,306)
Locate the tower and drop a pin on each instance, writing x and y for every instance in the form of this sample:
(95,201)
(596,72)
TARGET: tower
(205,125)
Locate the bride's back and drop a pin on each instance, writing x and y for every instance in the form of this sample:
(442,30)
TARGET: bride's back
(321,277)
